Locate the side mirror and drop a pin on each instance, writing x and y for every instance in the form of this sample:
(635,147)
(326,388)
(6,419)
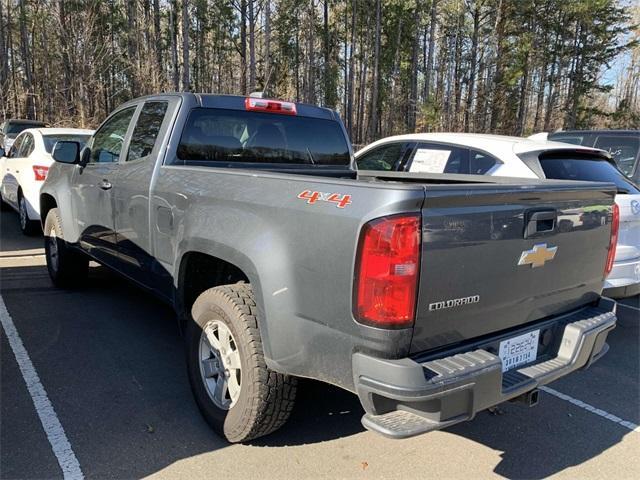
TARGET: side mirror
(66,152)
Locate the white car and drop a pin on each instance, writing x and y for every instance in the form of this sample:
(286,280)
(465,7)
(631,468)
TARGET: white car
(479,154)
(25,167)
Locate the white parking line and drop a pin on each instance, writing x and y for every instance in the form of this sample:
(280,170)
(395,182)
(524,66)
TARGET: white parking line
(629,306)
(585,406)
(52,426)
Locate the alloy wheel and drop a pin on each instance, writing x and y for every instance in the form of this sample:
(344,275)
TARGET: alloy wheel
(220,367)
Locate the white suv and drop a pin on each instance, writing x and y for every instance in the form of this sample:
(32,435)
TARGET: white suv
(479,154)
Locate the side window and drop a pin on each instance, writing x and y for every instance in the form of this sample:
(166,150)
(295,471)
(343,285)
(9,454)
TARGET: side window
(27,146)
(381,158)
(146,131)
(16,146)
(107,142)
(480,163)
(435,158)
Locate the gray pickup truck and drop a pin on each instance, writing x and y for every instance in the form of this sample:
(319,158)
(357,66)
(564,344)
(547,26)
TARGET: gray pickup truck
(430,297)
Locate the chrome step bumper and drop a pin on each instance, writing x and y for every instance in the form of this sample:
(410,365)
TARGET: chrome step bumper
(404,398)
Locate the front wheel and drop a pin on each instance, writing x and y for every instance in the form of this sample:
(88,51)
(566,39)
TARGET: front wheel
(235,390)
(67,267)
(4,206)
(28,227)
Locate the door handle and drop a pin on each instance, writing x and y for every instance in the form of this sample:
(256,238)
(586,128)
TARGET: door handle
(105,184)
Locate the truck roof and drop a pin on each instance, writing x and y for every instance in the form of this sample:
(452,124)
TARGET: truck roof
(237,102)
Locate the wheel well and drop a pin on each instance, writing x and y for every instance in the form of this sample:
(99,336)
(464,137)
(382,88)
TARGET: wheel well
(47,202)
(199,272)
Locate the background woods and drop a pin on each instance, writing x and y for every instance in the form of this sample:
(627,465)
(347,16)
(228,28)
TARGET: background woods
(388,66)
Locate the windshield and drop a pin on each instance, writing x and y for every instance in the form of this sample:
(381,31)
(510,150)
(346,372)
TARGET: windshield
(51,140)
(623,149)
(593,169)
(233,136)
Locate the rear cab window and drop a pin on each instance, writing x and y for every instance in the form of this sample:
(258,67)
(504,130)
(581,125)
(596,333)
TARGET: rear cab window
(572,166)
(228,137)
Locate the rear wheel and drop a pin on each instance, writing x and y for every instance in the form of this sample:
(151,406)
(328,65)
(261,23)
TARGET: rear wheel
(67,267)
(235,390)
(28,227)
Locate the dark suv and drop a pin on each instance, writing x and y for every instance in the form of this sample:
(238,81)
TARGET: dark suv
(623,145)
(10,129)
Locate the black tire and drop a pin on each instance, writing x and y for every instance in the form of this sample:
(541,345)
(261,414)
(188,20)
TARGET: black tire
(4,206)
(266,397)
(28,227)
(71,267)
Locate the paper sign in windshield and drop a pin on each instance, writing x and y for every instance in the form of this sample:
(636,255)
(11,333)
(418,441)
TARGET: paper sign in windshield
(430,161)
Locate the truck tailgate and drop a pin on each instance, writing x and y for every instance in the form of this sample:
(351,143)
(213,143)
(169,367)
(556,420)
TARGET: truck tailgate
(501,256)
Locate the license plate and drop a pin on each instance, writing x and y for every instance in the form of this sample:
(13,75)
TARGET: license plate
(519,350)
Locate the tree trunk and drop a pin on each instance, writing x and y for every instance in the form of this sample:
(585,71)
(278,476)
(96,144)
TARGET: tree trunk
(373,110)
(499,97)
(4,63)
(26,57)
(472,68)
(186,70)
(252,46)
(458,74)
(243,47)
(157,34)
(325,50)
(267,47)
(173,22)
(310,77)
(413,92)
(350,83)
(432,41)
(132,47)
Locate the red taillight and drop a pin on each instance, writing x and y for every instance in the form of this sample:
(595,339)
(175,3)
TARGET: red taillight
(615,226)
(272,106)
(40,172)
(387,268)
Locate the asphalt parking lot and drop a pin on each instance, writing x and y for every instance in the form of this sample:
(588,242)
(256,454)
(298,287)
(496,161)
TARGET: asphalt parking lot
(110,359)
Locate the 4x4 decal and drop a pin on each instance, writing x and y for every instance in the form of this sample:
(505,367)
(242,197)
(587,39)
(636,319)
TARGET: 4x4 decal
(339,199)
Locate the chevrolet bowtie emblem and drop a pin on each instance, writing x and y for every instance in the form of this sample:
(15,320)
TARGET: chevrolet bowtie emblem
(538,255)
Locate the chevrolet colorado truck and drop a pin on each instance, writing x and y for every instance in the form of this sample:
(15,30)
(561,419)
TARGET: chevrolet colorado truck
(431,297)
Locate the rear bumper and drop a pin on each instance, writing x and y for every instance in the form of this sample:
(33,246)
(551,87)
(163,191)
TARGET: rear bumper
(403,398)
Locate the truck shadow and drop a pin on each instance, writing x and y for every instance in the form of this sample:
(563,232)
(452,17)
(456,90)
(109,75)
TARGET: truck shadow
(556,435)
(322,412)
(112,360)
